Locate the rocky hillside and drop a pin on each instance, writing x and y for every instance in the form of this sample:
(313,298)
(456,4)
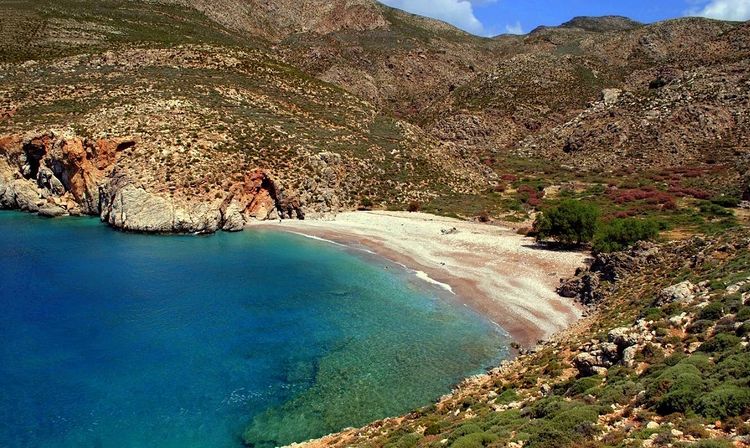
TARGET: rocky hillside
(218,133)
(661,360)
(351,103)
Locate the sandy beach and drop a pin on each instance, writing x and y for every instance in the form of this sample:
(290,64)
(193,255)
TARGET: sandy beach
(490,268)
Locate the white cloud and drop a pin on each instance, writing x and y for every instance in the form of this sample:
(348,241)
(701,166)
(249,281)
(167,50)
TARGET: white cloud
(514,28)
(456,12)
(738,10)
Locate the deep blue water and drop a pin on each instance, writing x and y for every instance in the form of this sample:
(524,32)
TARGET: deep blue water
(120,340)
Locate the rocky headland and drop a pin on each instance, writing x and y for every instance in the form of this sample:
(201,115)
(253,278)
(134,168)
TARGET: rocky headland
(55,175)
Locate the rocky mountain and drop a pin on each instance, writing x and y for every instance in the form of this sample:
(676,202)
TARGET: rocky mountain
(279,19)
(602,24)
(215,125)
(319,106)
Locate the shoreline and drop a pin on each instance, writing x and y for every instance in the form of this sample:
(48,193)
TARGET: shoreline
(491,269)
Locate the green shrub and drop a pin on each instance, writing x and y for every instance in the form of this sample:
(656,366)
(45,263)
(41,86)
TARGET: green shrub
(582,385)
(475,440)
(435,428)
(652,313)
(679,399)
(711,209)
(619,393)
(623,233)
(735,367)
(726,201)
(725,401)
(713,443)
(405,441)
(571,222)
(699,360)
(465,429)
(719,343)
(546,407)
(366,202)
(743,314)
(700,326)
(676,388)
(732,302)
(712,311)
(566,427)
(508,396)
(546,435)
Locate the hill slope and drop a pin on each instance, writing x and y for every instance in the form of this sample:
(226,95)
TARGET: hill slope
(219,125)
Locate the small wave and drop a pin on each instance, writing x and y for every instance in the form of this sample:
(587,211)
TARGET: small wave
(423,276)
(317,238)
(420,274)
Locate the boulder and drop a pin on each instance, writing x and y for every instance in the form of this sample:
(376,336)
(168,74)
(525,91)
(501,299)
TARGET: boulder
(232,219)
(132,208)
(52,211)
(628,356)
(611,96)
(584,288)
(681,292)
(624,337)
(20,194)
(597,358)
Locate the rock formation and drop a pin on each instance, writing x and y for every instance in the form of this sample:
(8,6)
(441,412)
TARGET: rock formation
(56,175)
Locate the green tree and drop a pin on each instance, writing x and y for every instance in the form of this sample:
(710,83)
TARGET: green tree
(623,233)
(571,222)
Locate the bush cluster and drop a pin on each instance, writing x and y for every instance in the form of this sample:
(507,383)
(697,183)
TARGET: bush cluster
(576,222)
(571,222)
(622,233)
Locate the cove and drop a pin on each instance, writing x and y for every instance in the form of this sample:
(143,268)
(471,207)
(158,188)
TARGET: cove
(110,339)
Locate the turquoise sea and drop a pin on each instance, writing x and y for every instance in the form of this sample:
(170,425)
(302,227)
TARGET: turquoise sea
(110,339)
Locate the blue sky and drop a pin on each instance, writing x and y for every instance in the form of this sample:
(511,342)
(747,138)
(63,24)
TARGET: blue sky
(492,17)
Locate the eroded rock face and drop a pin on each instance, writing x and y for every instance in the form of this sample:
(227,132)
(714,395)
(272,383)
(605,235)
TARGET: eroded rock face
(129,206)
(587,286)
(59,175)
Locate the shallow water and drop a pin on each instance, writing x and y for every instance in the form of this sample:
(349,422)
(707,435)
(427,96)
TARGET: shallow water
(120,340)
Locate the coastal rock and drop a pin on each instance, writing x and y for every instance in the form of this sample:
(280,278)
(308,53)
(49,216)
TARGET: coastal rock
(232,220)
(584,288)
(628,356)
(616,265)
(19,194)
(621,347)
(589,364)
(200,218)
(130,208)
(47,180)
(606,269)
(54,174)
(52,211)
